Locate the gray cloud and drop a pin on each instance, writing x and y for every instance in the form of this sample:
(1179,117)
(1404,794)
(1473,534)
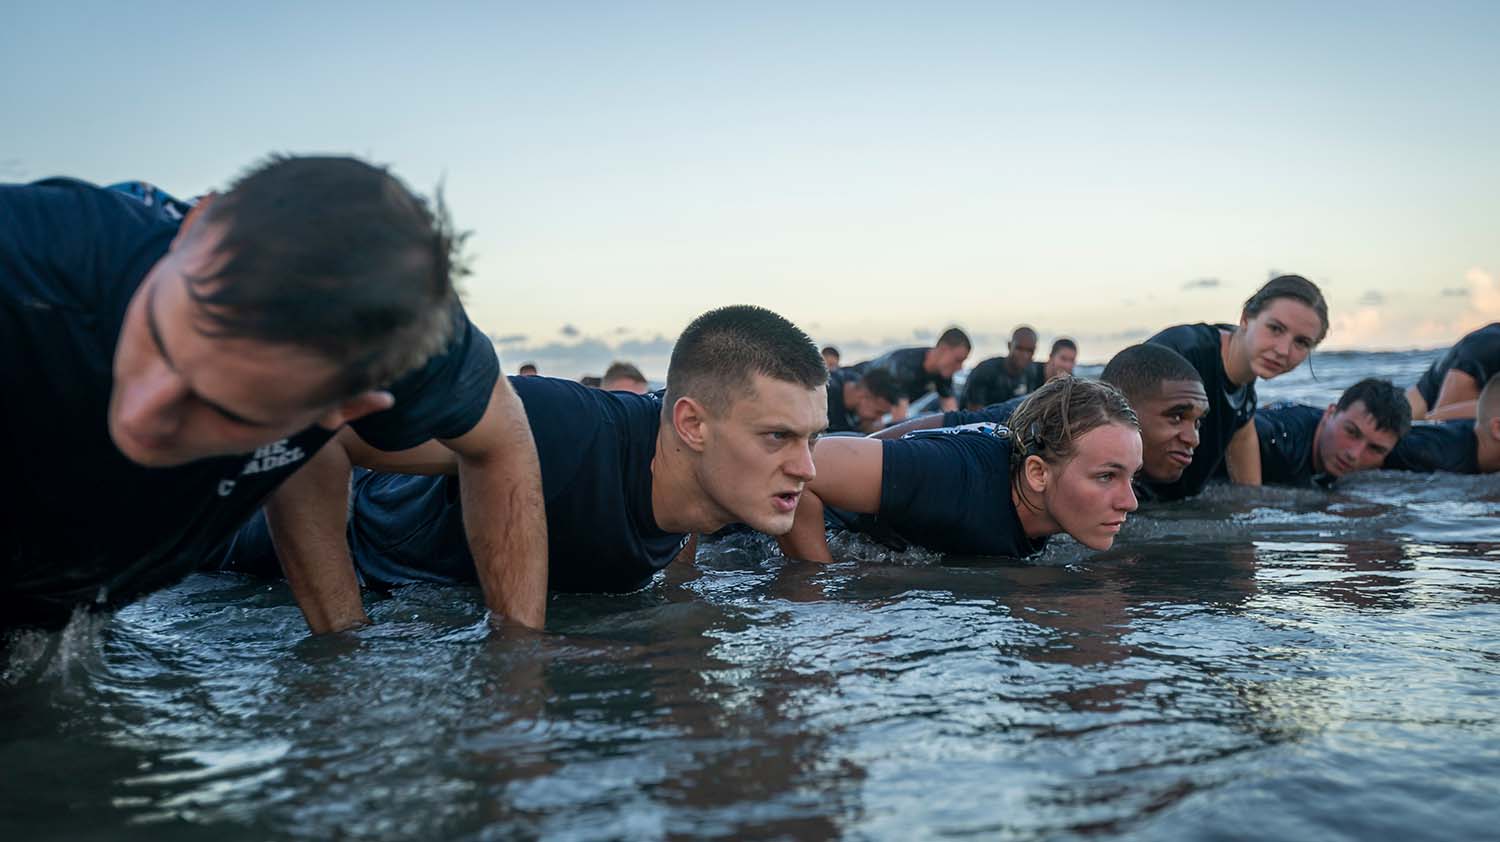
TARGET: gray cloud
(568,330)
(1373,298)
(509,339)
(1454,292)
(1202,283)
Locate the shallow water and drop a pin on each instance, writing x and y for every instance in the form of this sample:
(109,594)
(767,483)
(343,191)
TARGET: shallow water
(1253,664)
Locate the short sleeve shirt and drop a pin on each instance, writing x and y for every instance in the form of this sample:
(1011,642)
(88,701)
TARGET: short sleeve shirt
(840,418)
(1437,446)
(991,382)
(949,491)
(914,381)
(80,524)
(1286,432)
(995,413)
(1477,355)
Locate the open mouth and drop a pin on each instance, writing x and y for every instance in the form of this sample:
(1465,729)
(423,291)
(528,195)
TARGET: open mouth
(786,501)
(1114,525)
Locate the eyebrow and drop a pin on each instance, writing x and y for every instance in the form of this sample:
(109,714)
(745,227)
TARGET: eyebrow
(161,348)
(1180,408)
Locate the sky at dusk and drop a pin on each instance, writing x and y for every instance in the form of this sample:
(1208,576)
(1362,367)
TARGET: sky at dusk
(875,172)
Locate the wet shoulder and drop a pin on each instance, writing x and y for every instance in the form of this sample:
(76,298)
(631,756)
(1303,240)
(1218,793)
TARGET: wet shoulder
(1437,446)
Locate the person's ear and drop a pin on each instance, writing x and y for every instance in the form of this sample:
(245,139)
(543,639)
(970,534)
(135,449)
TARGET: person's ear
(193,220)
(690,423)
(1037,473)
(1495,428)
(1328,413)
(357,407)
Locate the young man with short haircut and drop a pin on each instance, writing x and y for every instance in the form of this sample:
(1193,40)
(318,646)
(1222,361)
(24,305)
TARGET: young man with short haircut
(1062,359)
(999,379)
(628,479)
(922,370)
(831,358)
(1305,446)
(857,401)
(1457,446)
(166,374)
(624,377)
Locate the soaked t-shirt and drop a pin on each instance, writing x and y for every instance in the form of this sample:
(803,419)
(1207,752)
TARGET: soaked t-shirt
(991,382)
(995,413)
(595,449)
(905,365)
(79,523)
(841,419)
(1437,446)
(1230,407)
(1477,355)
(1286,432)
(949,490)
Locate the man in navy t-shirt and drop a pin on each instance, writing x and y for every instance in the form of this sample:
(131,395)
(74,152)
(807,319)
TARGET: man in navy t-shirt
(1450,385)
(1303,445)
(165,375)
(857,401)
(922,370)
(1457,446)
(628,479)
(998,379)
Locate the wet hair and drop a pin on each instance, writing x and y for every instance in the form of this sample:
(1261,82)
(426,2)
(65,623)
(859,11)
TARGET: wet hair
(1064,342)
(1294,287)
(619,370)
(1051,420)
(882,384)
(718,354)
(1488,406)
(1385,403)
(955,338)
(336,256)
(1139,371)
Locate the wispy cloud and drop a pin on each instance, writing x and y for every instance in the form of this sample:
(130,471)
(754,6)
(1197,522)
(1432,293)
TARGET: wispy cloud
(568,330)
(509,338)
(1373,298)
(1203,283)
(1454,292)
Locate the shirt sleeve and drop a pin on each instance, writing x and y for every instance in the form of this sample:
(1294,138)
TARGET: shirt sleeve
(442,399)
(1478,355)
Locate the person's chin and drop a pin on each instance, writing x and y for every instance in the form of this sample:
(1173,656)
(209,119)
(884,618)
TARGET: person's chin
(770,523)
(1169,475)
(1099,542)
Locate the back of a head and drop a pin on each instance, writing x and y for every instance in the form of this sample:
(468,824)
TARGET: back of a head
(882,384)
(718,355)
(620,371)
(1386,404)
(1294,287)
(955,338)
(1488,408)
(336,256)
(1051,420)
(1139,371)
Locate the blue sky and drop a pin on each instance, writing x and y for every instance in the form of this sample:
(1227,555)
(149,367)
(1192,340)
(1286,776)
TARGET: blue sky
(875,172)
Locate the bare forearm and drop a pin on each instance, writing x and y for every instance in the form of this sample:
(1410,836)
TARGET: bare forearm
(307,517)
(1450,411)
(1243,456)
(808,540)
(896,431)
(505,518)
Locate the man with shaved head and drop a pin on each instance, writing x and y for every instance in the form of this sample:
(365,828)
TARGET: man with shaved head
(999,379)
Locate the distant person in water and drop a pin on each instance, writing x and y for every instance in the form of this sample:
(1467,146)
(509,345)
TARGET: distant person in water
(170,368)
(1062,359)
(831,357)
(1162,387)
(1002,378)
(922,370)
(527,370)
(986,490)
(628,479)
(1458,446)
(1303,445)
(1279,327)
(624,377)
(1450,386)
(858,401)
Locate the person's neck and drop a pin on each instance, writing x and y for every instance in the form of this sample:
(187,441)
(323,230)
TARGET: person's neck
(1487,452)
(678,502)
(850,395)
(930,362)
(1235,368)
(1036,523)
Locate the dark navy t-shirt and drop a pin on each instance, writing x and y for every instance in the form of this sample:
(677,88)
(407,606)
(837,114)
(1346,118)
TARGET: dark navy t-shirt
(1477,355)
(949,490)
(1437,446)
(1286,432)
(995,413)
(840,418)
(905,364)
(79,523)
(595,449)
(1230,407)
(991,382)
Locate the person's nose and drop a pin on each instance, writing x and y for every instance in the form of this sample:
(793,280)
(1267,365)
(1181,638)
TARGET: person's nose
(801,467)
(152,406)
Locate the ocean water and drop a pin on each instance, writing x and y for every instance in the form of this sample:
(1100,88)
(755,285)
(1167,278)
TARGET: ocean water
(1253,664)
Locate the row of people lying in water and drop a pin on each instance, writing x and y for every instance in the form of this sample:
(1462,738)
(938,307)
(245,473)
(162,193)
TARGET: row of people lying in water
(861,396)
(629,480)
